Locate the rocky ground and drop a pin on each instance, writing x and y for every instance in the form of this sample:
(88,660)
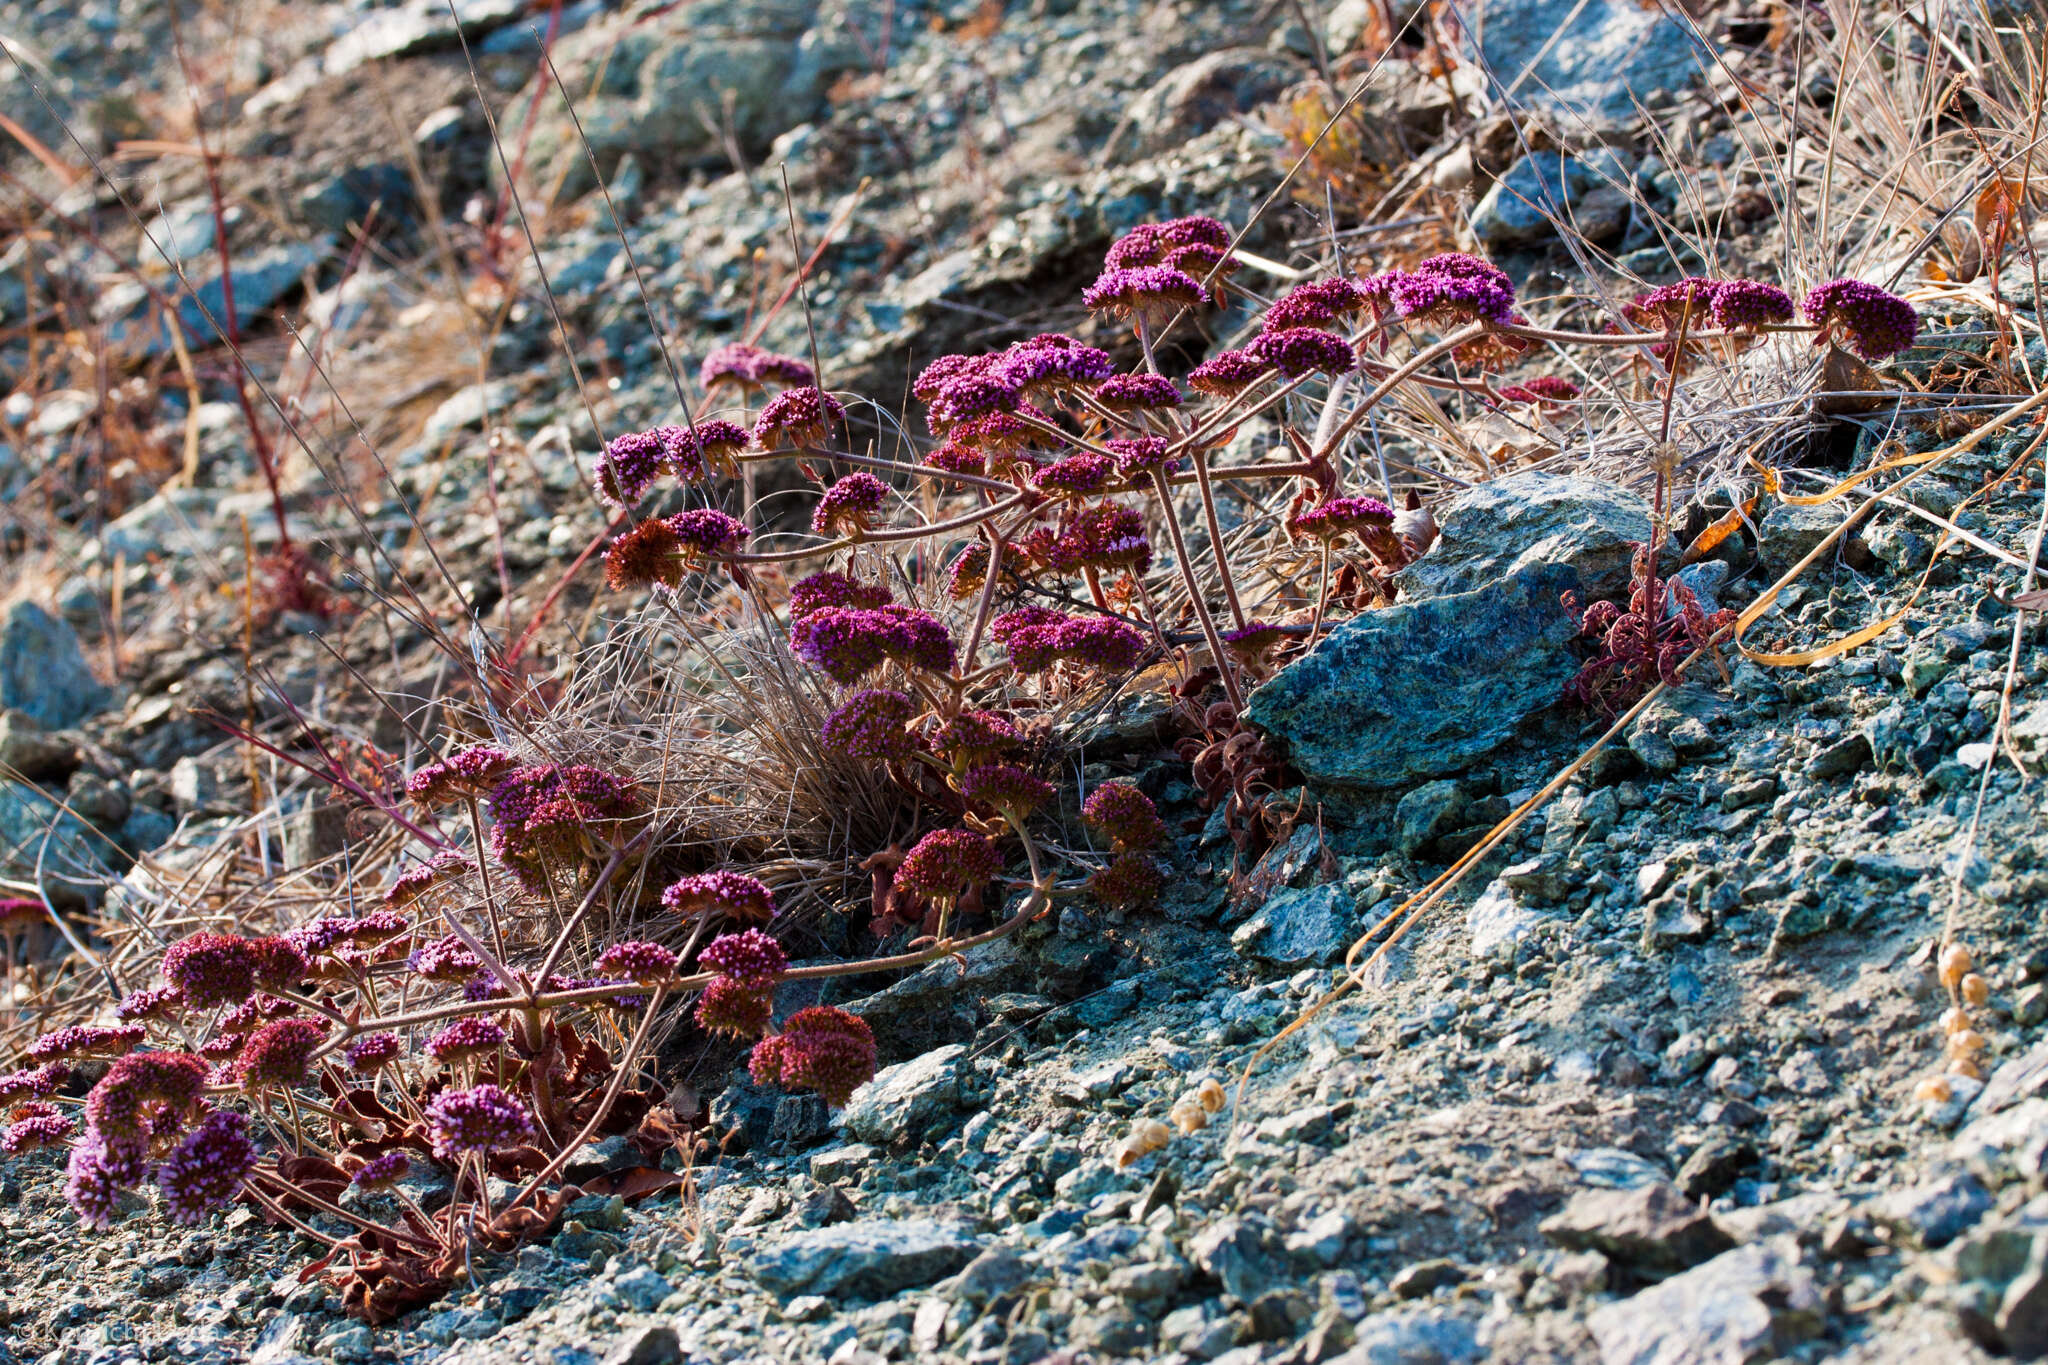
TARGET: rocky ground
(1643,1091)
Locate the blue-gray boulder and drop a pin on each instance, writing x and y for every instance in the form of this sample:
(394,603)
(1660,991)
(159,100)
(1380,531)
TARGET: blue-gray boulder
(42,670)
(1593,59)
(1422,690)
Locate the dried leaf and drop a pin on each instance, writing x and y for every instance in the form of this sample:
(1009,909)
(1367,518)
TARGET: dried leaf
(1706,541)
(1843,373)
(2037,600)
(1999,208)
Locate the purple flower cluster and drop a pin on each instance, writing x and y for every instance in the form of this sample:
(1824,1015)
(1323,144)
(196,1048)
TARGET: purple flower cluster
(955,458)
(849,505)
(1139,454)
(141,1088)
(751,367)
(1007,788)
(465,1039)
(1338,517)
(1660,309)
(382,1172)
(1137,393)
(660,550)
(19,914)
(830,588)
(1319,303)
(549,812)
(1046,638)
(848,643)
(34,1081)
(1105,535)
(34,1128)
(1146,293)
(1227,373)
(751,957)
(798,417)
(871,725)
(476,1121)
(208,969)
(732,894)
(1124,815)
(981,390)
(85,1040)
(95,1177)
(731,1006)
(447,959)
(1130,882)
(207,1167)
(1862,318)
(1051,362)
(1195,245)
(1740,305)
(279,1053)
(631,463)
(466,772)
(1076,476)
(820,1048)
(372,1051)
(1447,291)
(638,961)
(1298,351)
(155,1002)
(946,864)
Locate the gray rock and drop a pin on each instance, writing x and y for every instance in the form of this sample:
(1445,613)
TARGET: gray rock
(1704,581)
(261,278)
(1847,755)
(1414,1336)
(1426,814)
(1498,528)
(1423,689)
(344,201)
(1652,1228)
(43,673)
(1934,1212)
(35,830)
(1298,928)
(871,1259)
(645,1346)
(1545,188)
(2022,1314)
(902,1103)
(996,1271)
(1749,1304)
(1498,919)
(1788,533)
(176,520)
(1190,100)
(417,27)
(1589,58)
(1241,1253)
(28,751)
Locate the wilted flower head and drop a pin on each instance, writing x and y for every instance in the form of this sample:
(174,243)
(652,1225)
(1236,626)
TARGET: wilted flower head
(661,550)
(1106,535)
(733,1007)
(446,959)
(732,894)
(872,725)
(1137,393)
(19,914)
(1299,351)
(946,864)
(1001,433)
(466,772)
(156,1002)
(797,417)
(849,505)
(279,1053)
(207,1167)
(1318,303)
(1007,788)
(830,588)
(968,571)
(848,643)
(1544,390)
(409,885)
(139,1088)
(1862,318)
(464,1039)
(1739,305)
(209,969)
(820,1048)
(1125,815)
(371,1051)
(476,1121)
(1145,293)
(85,1040)
(637,961)
(1130,882)
(1227,373)
(383,1171)
(1138,454)
(1076,476)
(751,957)
(750,368)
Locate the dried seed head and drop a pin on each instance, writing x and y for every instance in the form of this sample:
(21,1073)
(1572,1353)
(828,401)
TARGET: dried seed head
(1955,964)
(1933,1090)
(1211,1095)
(1964,1043)
(1146,1136)
(1954,1021)
(1188,1115)
(1974,989)
(1965,1066)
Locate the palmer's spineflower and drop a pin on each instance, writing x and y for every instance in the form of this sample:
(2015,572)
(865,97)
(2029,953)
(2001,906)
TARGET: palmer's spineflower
(798,417)
(820,1048)
(1299,351)
(1148,294)
(830,588)
(848,643)
(477,1121)
(1124,815)
(751,957)
(732,894)
(1124,393)
(849,506)
(1007,788)
(751,369)
(946,864)
(1228,373)
(871,725)
(1862,318)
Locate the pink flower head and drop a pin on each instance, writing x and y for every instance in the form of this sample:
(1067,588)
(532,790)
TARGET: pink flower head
(207,1167)
(1661,308)
(1146,293)
(732,894)
(1105,535)
(1048,364)
(1452,289)
(1742,305)
(751,957)
(848,643)
(630,464)
(1125,815)
(1132,881)
(638,961)
(1318,303)
(156,1002)
(958,459)
(798,417)
(466,1039)
(750,368)
(820,1048)
(968,571)
(1100,643)
(1862,318)
(1139,454)
(96,1176)
(946,864)
(974,737)
(713,447)
(1299,351)
(555,811)
(1253,641)
(731,1006)
(18,915)
(933,378)
(466,772)
(446,959)
(279,1053)
(1339,517)
(409,885)
(476,1121)
(870,725)
(1545,390)
(1137,393)
(85,1040)
(830,588)
(141,1088)
(849,506)
(1007,788)
(32,1081)
(383,1171)
(371,1051)
(1000,433)
(209,969)
(1030,634)
(1076,476)
(279,964)
(975,393)
(34,1132)
(1227,373)
(1152,243)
